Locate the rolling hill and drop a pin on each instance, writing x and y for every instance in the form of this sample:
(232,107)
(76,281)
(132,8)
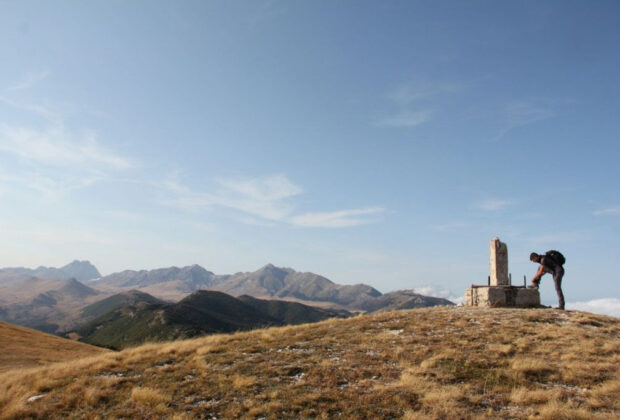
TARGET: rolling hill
(23,347)
(114,302)
(440,362)
(140,318)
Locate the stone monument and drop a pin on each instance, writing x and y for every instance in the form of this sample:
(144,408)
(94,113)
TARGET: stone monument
(498,263)
(499,290)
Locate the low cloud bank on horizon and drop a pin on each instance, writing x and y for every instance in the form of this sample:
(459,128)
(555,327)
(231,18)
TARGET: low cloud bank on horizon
(439,292)
(606,306)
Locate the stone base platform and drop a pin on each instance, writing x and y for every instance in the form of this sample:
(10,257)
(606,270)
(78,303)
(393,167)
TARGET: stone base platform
(502,296)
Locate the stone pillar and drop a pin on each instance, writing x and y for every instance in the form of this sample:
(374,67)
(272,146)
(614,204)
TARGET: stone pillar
(499,263)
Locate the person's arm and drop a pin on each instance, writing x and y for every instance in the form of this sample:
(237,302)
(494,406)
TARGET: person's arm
(541,272)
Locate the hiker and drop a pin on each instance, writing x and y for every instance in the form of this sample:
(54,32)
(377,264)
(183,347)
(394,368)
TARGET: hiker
(552,262)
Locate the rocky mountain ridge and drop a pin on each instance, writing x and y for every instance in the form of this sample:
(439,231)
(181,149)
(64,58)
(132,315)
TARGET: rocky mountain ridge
(174,283)
(79,270)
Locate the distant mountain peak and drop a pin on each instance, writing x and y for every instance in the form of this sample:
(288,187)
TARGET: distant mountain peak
(81,270)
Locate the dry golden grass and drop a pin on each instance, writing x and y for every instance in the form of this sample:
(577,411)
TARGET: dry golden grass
(149,397)
(23,347)
(420,364)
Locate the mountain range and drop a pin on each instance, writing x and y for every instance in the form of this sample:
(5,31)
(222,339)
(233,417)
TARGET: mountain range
(174,283)
(51,302)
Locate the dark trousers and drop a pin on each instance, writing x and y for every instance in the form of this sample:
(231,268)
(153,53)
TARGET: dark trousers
(558,273)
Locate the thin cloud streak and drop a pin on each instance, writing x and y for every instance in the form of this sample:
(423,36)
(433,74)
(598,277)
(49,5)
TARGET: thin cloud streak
(493,204)
(29,80)
(606,306)
(517,114)
(264,201)
(52,116)
(52,147)
(405,119)
(53,160)
(415,103)
(409,93)
(609,211)
(339,219)
(266,197)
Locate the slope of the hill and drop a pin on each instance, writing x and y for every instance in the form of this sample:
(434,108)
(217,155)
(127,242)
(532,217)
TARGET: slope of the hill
(442,362)
(292,313)
(111,303)
(22,347)
(145,319)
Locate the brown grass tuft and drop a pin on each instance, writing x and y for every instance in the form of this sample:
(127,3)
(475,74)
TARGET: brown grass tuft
(562,410)
(149,397)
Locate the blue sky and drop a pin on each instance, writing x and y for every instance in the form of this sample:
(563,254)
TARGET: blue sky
(375,142)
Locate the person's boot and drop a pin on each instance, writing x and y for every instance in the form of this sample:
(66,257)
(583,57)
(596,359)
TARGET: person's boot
(534,285)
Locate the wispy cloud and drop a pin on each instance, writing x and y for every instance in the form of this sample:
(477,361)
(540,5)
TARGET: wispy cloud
(41,110)
(606,306)
(409,93)
(29,80)
(493,204)
(266,197)
(406,118)
(264,201)
(53,188)
(340,218)
(266,188)
(517,114)
(415,103)
(52,159)
(608,211)
(55,146)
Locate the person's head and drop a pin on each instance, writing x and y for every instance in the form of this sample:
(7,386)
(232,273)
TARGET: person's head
(534,257)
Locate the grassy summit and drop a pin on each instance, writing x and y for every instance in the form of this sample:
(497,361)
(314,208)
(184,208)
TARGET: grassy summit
(425,363)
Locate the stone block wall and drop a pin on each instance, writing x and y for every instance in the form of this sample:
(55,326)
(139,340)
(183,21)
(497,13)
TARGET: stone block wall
(502,296)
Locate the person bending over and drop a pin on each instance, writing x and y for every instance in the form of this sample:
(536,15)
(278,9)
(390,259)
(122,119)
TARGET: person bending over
(553,263)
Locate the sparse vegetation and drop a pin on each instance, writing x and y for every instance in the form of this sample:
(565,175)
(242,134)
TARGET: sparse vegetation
(426,363)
